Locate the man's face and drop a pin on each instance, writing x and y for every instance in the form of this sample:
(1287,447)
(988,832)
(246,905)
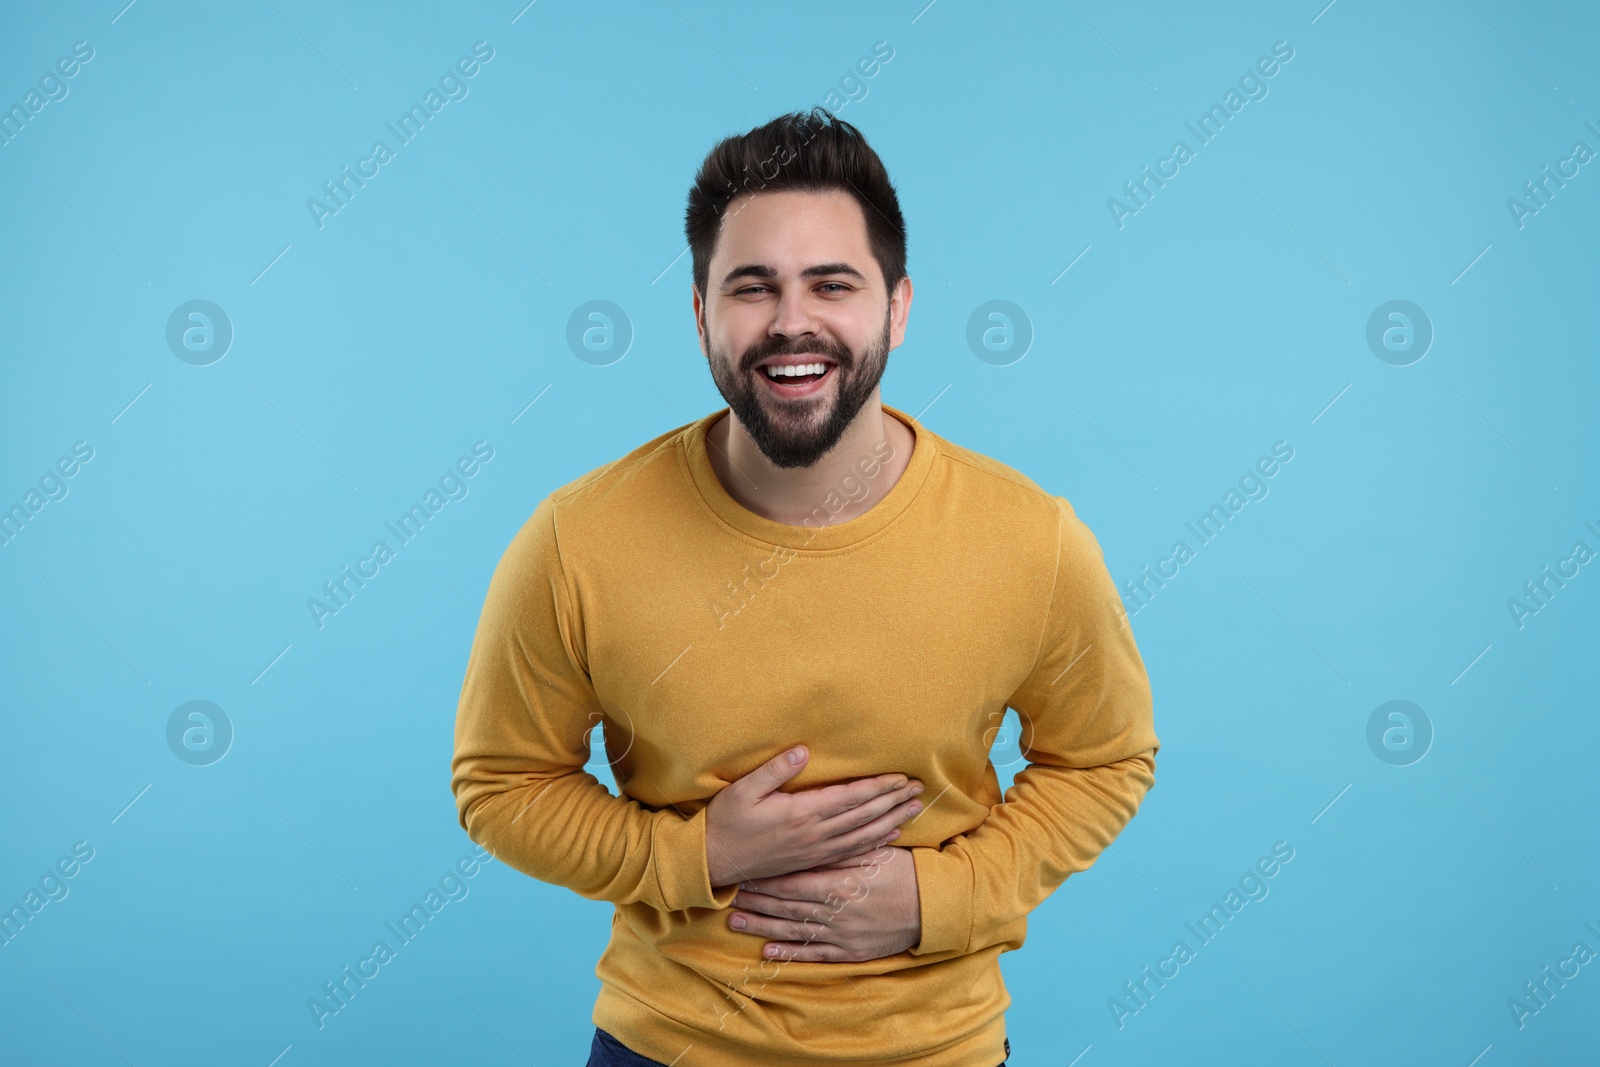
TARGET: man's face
(793,284)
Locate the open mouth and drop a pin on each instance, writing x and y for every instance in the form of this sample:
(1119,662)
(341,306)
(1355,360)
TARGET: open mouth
(798,379)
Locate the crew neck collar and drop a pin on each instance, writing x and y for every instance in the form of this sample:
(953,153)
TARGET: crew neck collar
(693,452)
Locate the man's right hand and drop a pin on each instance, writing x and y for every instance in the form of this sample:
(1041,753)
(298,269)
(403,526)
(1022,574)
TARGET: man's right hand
(755,830)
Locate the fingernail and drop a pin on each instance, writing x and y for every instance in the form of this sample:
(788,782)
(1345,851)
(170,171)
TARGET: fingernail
(913,809)
(737,922)
(796,755)
(916,789)
(747,886)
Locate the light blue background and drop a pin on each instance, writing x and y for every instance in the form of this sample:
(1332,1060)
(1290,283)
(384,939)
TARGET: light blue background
(1229,313)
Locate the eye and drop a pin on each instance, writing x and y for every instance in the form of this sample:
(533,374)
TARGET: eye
(829,287)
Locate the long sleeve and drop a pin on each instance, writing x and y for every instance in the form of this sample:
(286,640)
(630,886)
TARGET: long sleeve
(1089,738)
(527,704)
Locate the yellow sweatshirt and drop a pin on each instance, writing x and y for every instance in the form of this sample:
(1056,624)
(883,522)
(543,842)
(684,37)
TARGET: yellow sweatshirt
(705,639)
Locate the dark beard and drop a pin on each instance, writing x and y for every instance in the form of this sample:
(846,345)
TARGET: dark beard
(789,441)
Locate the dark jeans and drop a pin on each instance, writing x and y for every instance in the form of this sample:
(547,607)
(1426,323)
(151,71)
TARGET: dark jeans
(607,1051)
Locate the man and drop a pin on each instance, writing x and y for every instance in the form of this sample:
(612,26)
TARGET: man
(791,617)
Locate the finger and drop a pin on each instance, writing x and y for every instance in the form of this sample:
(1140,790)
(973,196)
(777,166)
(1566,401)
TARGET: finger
(810,886)
(868,857)
(798,885)
(776,907)
(832,800)
(870,809)
(881,830)
(773,773)
(778,929)
(816,951)
(854,845)
(873,852)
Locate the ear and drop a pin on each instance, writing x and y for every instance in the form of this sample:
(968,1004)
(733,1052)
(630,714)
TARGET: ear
(899,311)
(700,319)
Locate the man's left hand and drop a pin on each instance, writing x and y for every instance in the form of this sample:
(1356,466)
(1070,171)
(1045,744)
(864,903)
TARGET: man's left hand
(861,908)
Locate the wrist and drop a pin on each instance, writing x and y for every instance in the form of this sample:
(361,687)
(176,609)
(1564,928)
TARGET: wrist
(718,869)
(678,849)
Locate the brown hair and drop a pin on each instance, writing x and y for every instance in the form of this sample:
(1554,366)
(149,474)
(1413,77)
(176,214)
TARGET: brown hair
(811,152)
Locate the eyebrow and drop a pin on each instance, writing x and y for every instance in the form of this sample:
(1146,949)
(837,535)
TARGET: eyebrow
(761,270)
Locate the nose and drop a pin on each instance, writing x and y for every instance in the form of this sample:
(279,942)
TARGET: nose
(792,317)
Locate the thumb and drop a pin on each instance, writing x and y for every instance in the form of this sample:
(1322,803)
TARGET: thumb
(777,770)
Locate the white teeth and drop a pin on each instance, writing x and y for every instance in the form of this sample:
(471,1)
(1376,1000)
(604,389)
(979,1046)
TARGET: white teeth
(774,371)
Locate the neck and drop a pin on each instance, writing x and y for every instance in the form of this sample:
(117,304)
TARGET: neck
(874,442)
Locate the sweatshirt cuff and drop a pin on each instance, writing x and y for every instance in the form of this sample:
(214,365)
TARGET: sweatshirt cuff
(944,887)
(678,851)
